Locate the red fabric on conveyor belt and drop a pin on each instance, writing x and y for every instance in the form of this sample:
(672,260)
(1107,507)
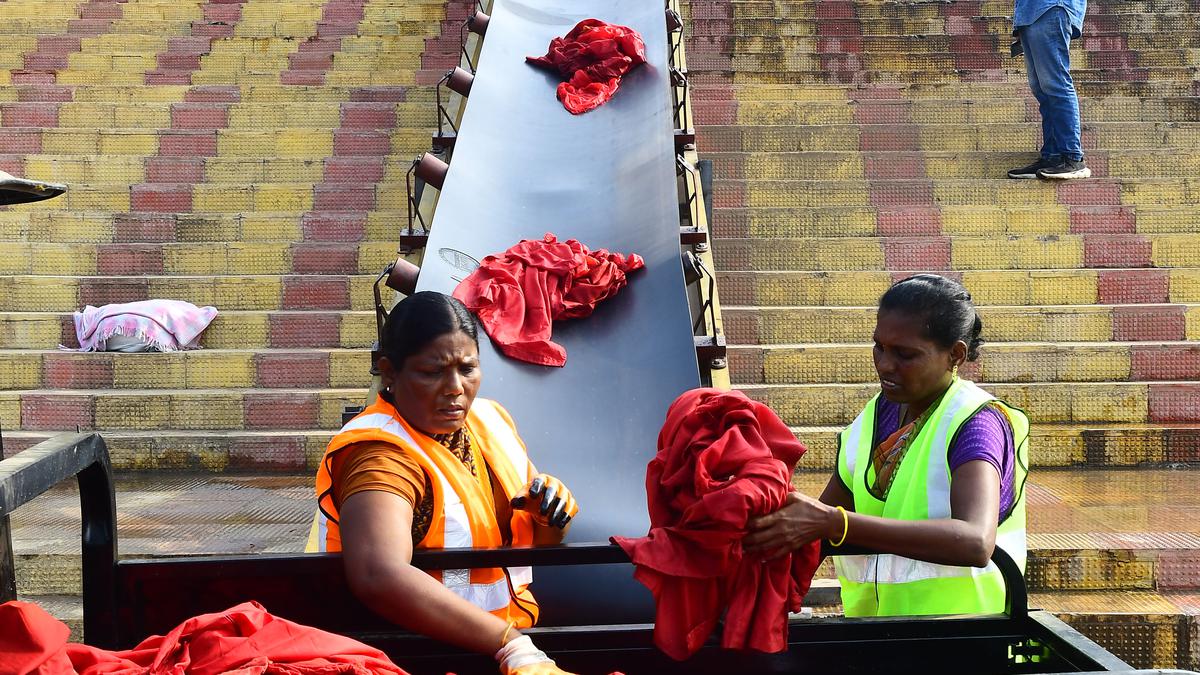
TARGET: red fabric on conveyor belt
(518,294)
(722,459)
(591,60)
(245,640)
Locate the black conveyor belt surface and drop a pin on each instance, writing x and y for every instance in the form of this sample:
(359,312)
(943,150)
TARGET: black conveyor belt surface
(524,166)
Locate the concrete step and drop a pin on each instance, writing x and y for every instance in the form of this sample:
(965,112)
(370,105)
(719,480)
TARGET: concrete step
(1066,251)
(229,330)
(64,226)
(730,45)
(1007,140)
(999,191)
(282,408)
(1102,78)
(1032,287)
(213,259)
(167,452)
(155,116)
(248,92)
(919,58)
(313,143)
(902,23)
(751,91)
(1009,362)
(843,108)
(194,369)
(909,157)
(27,293)
(975,220)
(1134,324)
(1063,402)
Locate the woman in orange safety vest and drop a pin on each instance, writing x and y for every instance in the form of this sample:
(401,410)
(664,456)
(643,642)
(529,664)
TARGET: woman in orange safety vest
(430,466)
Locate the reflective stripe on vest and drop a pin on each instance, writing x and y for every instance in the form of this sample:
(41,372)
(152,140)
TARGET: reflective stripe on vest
(892,584)
(504,454)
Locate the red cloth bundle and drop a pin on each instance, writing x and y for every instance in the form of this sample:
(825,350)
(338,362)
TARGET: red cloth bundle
(722,459)
(592,59)
(246,640)
(518,294)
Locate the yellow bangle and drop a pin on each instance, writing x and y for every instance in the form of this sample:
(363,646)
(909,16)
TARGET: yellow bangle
(845,528)
(504,638)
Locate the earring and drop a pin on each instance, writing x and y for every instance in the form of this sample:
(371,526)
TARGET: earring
(954,371)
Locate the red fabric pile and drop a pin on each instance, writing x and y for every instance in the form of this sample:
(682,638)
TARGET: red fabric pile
(518,294)
(722,459)
(592,59)
(245,640)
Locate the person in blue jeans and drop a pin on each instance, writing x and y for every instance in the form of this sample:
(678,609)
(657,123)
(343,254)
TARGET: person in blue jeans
(1044,29)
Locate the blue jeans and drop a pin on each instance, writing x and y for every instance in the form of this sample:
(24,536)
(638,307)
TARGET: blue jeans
(1048,61)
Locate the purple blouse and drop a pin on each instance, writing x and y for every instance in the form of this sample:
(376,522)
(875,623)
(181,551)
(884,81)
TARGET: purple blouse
(987,436)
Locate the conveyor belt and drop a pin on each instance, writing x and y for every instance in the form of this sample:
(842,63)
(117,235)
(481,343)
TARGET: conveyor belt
(524,166)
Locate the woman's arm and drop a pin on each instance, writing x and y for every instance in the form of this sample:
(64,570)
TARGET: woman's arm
(966,538)
(377,550)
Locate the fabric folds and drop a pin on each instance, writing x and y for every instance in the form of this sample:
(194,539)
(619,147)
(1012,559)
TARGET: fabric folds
(246,640)
(722,459)
(519,293)
(591,60)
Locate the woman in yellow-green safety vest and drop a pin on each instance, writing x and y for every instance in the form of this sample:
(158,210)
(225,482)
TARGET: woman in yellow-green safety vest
(931,473)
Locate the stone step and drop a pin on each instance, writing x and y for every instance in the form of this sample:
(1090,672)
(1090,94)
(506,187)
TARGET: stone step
(730,45)
(316,143)
(1003,138)
(999,191)
(246,93)
(153,183)
(988,287)
(717,115)
(751,91)
(1094,446)
(917,59)
(170,451)
(1076,403)
(26,293)
(1102,78)
(63,226)
(278,409)
(907,158)
(229,330)
(885,8)
(978,220)
(1066,251)
(902,24)
(1007,362)
(1002,324)
(193,369)
(154,116)
(213,259)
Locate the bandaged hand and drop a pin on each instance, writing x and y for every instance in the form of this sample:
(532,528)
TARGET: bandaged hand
(550,502)
(520,657)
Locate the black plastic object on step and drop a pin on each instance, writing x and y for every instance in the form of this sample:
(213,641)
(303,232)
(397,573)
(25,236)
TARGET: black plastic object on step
(15,190)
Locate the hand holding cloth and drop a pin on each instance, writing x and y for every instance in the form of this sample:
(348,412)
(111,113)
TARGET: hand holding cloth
(722,459)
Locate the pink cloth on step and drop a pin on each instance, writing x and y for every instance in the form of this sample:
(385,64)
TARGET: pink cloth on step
(168,325)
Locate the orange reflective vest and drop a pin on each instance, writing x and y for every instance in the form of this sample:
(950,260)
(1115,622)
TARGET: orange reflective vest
(463,515)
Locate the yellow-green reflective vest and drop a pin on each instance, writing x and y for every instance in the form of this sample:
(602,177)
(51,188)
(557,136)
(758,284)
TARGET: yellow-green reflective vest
(892,585)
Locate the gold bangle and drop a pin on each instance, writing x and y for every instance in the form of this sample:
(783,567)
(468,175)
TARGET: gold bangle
(845,528)
(504,638)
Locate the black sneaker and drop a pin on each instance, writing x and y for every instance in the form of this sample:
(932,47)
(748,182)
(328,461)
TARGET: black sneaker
(1068,168)
(1032,170)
